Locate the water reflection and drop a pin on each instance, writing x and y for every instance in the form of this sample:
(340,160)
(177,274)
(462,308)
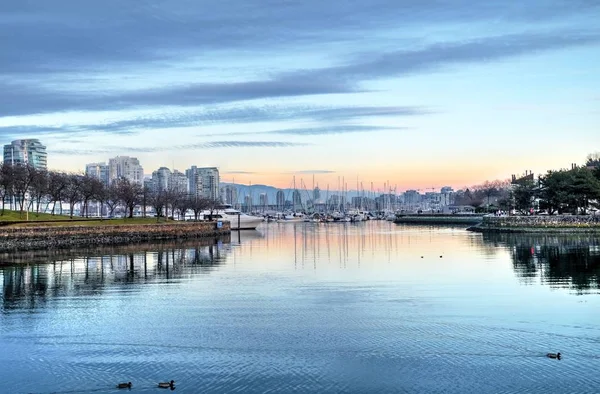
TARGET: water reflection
(571,261)
(31,279)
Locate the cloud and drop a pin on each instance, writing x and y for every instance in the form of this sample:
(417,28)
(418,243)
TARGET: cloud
(22,97)
(238,172)
(202,145)
(71,35)
(65,55)
(334,129)
(213,115)
(314,172)
(250,144)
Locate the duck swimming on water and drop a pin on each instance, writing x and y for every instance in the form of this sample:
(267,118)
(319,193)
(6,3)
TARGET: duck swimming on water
(124,385)
(166,385)
(554,355)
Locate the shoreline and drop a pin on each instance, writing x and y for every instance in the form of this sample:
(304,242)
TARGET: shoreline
(563,224)
(65,237)
(438,219)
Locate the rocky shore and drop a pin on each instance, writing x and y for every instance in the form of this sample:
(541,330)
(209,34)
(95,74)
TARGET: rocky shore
(438,219)
(34,238)
(539,224)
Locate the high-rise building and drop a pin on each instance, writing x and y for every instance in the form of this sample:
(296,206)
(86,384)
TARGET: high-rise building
(125,167)
(447,195)
(263,199)
(28,152)
(280,199)
(203,181)
(297,200)
(99,171)
(178,182)
(412,197)
(229,195)
(316,195)
(161,179)
(248,203)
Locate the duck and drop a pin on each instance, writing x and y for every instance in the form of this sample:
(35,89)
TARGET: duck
(166,385)
(124,385)
(554,355)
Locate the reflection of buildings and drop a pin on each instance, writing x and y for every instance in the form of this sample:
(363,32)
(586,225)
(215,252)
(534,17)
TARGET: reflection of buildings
(58,274)
(557,260)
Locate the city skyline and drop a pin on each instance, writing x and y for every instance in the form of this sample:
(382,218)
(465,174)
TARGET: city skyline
(413,94)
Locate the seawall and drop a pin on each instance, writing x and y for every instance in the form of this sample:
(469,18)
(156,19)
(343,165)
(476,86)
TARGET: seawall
(438,219)
(540,224)
(61,237)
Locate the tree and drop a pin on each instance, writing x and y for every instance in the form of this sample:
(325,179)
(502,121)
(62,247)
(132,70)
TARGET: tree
(22,176)
(157,200)
(488,190)
(90,187)
(111,198)
(129,193)
(555,194)
(57,184)
(584,188)
(6,182)
(183,205)
(213,205)
(172,197)
(467,197)
(146,196)
(73,191)
(39,187)
(199,204)
(593,160)
(523,194)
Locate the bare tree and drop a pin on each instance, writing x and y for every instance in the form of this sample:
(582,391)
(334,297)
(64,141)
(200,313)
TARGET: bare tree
(157,200)
(199,204)
(213,205)
(73,191)
(39,187)
(129,193)
(111,198)
(57,184)
(6,182)
(22,178)
(183,205)
(172,198)
(89,189)
(146,197)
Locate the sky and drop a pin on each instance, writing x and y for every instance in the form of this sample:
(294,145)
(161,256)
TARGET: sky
(408,93)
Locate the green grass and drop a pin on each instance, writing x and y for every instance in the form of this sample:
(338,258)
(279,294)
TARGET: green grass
(18,219)
(16,216)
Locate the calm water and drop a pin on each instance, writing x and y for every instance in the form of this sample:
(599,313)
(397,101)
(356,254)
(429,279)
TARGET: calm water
(370,308)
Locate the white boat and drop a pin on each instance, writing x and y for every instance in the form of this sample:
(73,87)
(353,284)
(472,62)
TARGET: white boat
(291,218)
(246,222)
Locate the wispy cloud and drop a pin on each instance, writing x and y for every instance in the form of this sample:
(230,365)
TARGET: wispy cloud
(21,98)
(238,172)
(202,145)
(235,115)
(314,172)
(334,129)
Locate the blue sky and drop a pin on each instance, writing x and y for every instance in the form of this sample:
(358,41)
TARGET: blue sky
(417,93)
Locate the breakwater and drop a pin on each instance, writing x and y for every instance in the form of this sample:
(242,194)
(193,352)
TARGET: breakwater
(438,219)
(63,237)
(540,224)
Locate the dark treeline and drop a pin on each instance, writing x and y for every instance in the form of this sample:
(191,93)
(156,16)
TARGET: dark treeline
(26,188)
(573,190)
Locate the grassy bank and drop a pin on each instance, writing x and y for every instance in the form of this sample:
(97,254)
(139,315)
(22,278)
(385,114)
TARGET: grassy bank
(18,219)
